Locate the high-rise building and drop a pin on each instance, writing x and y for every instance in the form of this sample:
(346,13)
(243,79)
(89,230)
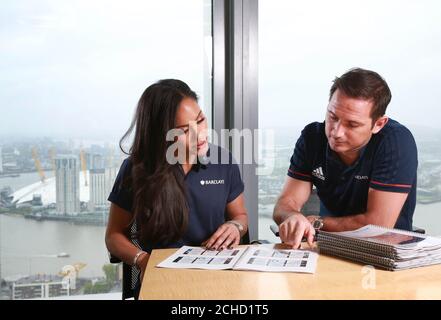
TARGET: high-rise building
(97,161)
(110,178)
(1,160)
(67,175)
(97,188)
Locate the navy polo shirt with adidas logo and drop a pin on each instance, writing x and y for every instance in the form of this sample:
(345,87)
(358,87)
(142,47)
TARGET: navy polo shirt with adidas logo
(210,187)
(388,162)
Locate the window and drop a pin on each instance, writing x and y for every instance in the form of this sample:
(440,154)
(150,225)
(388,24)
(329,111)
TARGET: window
(304,45)
(72,73)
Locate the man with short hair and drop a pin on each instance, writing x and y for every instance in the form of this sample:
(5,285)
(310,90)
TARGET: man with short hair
(362,163)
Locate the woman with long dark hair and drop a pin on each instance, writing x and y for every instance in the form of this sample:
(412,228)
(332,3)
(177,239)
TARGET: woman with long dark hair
(173,191)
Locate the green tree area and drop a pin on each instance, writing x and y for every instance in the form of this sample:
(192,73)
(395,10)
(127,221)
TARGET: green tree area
(105,285)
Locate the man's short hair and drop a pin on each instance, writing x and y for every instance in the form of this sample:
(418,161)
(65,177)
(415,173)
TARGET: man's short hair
(364,84)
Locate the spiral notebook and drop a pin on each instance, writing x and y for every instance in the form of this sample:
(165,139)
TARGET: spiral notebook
(391,249)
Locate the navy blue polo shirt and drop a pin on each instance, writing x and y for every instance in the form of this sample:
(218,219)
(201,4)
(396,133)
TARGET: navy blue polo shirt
(388,162)
(210,187)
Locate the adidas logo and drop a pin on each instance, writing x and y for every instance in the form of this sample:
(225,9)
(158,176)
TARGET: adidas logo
(318,173)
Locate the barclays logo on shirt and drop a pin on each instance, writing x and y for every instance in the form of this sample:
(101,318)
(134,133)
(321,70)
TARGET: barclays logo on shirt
(207,182)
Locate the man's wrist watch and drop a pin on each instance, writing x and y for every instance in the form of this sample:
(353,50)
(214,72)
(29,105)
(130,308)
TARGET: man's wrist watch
(317,224)
(238,225)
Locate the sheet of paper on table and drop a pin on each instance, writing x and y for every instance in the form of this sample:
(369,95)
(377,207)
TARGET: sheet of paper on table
(257,258)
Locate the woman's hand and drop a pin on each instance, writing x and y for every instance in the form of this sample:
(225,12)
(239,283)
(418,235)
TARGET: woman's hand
(226,236)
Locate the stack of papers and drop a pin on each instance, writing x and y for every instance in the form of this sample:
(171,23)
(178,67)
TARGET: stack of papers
(391,249)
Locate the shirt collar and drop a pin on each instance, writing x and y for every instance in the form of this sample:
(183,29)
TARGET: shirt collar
(332,155)
(200,163)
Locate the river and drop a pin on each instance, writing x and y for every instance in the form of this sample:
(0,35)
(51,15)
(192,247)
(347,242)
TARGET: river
(29,247)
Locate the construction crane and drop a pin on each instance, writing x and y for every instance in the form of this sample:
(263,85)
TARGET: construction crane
(83,165)
(70,274)
(38,164)
(76,268)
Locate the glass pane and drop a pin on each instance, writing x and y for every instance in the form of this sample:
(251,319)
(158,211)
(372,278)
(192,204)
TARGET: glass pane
(72,73)
(304,45)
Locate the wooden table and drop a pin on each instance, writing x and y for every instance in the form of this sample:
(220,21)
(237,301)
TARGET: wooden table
(333,279)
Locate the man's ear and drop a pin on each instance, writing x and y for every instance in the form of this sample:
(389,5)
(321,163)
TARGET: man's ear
(379,124)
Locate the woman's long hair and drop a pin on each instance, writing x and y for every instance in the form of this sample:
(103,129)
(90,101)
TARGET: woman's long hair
(159,194)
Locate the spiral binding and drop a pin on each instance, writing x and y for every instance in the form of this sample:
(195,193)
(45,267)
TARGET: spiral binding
(357,244)
(374,244)
(361,257)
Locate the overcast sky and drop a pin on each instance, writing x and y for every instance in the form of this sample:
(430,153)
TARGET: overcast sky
(303,45)
(77,68)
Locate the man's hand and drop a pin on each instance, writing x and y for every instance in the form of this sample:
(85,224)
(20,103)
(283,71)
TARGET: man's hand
(226,236)
(294,228)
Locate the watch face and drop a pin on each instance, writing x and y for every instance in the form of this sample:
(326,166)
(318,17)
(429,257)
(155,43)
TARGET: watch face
(317,224)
